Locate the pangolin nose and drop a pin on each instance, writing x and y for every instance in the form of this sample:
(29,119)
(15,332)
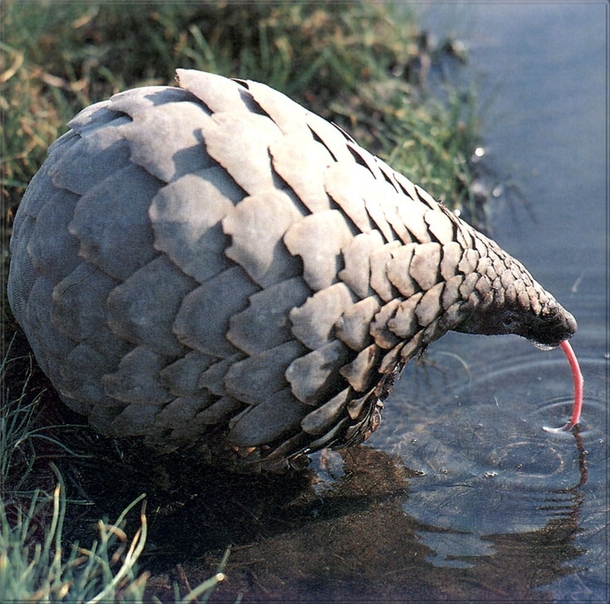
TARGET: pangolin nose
(570,322)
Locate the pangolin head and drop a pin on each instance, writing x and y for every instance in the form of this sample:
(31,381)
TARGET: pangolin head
(545,327)
(514,303)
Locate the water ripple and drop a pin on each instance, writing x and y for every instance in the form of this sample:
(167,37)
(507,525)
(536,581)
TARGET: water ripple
(484,464)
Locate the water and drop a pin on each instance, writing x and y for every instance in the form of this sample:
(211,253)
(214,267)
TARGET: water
(469,421)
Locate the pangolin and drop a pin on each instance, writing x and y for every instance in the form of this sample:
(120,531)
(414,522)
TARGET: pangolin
(212,266)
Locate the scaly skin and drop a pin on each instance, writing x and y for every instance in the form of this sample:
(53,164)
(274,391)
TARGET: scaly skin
(215,267)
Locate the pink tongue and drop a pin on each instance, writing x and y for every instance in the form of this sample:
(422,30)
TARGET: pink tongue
(578,383)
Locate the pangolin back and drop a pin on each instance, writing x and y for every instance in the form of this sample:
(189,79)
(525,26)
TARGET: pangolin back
(214,266)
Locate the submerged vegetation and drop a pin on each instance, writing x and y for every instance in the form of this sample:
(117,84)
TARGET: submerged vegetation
(364,65)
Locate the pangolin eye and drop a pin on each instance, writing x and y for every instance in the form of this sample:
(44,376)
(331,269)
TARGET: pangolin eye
(509,320)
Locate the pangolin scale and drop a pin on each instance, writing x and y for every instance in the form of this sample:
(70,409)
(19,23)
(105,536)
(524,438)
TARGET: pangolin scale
(214,267)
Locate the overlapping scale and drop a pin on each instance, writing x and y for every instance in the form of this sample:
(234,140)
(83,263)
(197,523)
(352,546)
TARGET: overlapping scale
(215,267)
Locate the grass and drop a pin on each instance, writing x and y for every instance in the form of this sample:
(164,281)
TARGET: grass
(23,432)
(359,64)
(36,568)
(17,452)
(364,65)
(35,562)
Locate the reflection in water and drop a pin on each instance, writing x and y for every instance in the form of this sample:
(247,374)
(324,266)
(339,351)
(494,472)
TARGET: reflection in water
(461,514)
(345,533)
(356,539)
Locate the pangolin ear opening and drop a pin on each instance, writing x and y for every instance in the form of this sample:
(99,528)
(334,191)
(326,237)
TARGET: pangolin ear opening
(508,321)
